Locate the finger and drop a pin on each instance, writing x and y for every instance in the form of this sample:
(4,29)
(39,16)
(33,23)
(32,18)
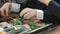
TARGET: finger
(23,12)
(2,12)
(26,15)
(29,17)
(7,12)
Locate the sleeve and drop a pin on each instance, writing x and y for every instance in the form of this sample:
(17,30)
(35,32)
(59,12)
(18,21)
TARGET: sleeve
(40,14)
(53,12)
(15,7)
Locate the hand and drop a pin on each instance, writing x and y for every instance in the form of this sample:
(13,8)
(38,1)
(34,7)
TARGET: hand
(28,13)
(46,2)
(4,9)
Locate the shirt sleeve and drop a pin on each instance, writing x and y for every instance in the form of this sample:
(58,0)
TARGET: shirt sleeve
(52,12)
(40,14)
(15,7)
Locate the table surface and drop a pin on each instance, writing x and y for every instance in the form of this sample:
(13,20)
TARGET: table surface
(56,30)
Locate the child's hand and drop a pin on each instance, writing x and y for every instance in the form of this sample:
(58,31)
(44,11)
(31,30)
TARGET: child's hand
(28,13)
(4,9)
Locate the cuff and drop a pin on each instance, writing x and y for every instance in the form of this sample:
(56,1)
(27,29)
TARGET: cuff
(15,7)
(40,14)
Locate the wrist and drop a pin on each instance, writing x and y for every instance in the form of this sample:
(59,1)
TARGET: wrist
(10,4)
(35,11)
